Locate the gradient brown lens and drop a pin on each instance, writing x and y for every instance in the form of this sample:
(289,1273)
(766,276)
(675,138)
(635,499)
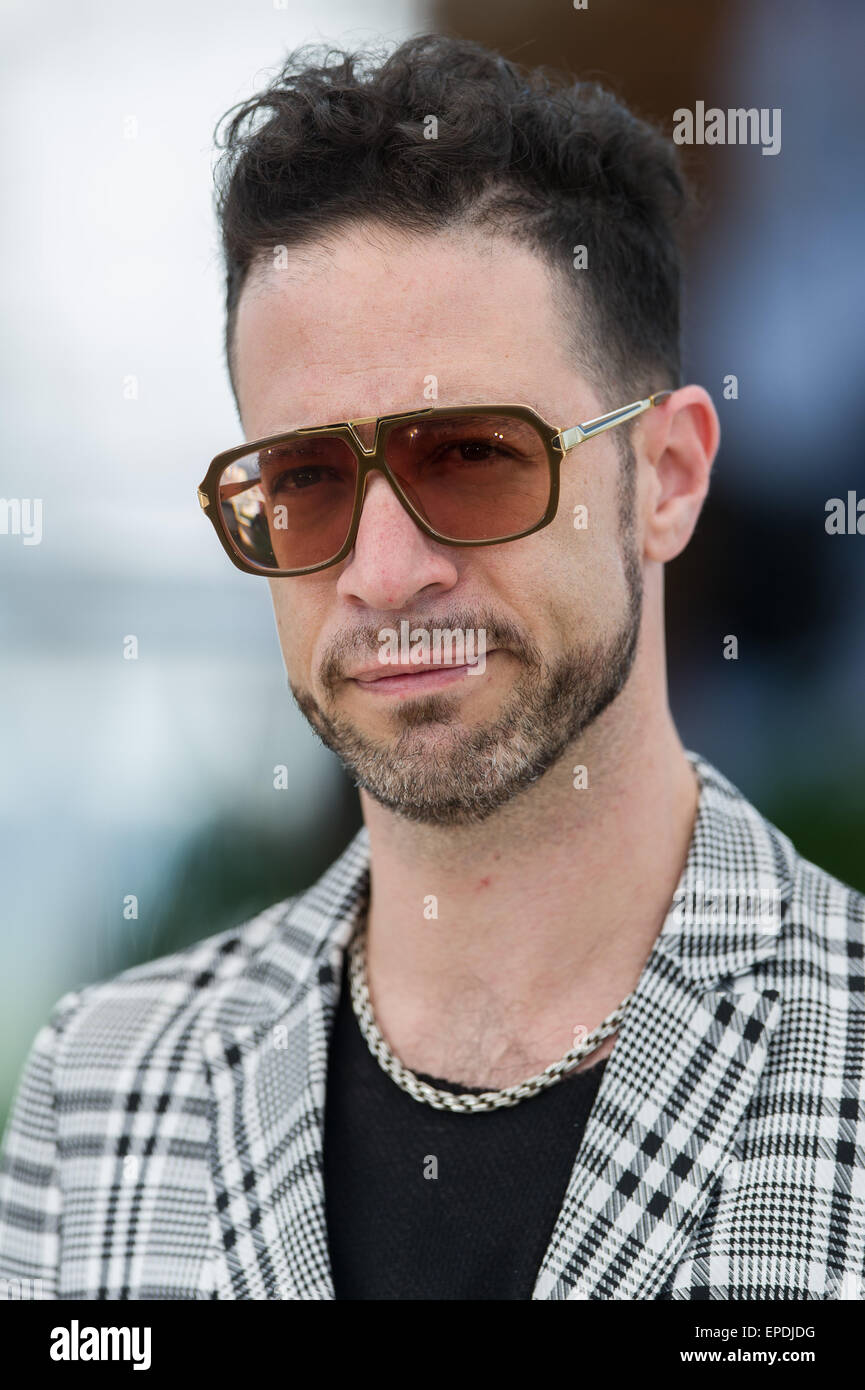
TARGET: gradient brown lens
(290,506)
(472,477)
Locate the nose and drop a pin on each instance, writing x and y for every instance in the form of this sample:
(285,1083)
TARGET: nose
(393,563)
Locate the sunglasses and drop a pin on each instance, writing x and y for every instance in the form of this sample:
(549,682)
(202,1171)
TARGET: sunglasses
(290,504)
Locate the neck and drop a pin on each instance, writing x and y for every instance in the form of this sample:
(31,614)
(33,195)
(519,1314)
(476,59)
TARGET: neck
(490,945)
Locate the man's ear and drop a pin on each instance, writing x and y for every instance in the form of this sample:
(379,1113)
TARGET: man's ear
(679,442)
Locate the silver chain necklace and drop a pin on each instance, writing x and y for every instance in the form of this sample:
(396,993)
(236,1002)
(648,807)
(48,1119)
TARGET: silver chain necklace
(465,1103)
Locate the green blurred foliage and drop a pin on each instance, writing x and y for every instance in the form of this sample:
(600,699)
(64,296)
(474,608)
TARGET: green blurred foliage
(825,819)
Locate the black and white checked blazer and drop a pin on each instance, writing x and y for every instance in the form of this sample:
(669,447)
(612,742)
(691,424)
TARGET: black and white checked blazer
(166,1141)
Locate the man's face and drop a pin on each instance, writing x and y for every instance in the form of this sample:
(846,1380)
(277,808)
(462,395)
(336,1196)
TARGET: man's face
(357,328)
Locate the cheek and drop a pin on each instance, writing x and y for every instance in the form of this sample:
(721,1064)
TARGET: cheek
(577,564)
(588,494)
(587,525)
(579,550)
(300,614)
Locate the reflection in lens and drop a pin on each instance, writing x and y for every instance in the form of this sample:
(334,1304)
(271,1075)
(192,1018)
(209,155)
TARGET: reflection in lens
(289,506)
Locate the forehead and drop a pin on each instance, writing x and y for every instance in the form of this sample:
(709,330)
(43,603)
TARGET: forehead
(370,321)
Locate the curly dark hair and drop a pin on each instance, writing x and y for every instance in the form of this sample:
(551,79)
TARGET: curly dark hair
(342,137)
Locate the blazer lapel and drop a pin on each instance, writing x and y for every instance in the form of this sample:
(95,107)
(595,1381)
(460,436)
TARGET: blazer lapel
(686,1062)
(660,1133)
(267,1077)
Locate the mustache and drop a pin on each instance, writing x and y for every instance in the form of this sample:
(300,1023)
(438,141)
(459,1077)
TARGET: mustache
(363,641)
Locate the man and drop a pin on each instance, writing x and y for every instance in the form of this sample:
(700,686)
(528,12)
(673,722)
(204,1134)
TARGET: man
(569,1018)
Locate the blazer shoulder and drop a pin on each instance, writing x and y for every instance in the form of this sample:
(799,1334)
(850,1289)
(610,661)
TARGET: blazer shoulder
(172,1000)
(816,905)
(163,1015)
(830,911)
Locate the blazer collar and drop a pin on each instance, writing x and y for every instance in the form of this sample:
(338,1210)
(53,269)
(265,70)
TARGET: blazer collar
(686,1061)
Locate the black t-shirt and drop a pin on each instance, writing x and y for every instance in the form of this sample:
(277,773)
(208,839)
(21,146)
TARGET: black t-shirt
(426,1204)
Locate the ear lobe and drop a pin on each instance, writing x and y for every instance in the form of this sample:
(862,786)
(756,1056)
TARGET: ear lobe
(681,446)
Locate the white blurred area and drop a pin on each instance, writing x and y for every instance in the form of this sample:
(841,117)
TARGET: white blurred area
(112,272)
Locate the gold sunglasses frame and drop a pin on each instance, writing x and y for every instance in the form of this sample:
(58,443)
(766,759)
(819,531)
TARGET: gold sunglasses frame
(558,442)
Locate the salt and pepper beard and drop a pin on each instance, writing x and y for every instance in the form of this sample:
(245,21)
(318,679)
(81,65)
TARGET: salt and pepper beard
(465,778)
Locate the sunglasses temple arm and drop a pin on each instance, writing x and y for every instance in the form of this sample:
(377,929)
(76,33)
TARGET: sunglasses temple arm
(576,435)
(227,490)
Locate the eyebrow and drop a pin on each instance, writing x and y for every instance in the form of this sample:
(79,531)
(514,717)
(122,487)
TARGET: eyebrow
(482,402)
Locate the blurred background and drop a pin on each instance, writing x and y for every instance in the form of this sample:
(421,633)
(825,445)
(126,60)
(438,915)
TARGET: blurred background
(153,777)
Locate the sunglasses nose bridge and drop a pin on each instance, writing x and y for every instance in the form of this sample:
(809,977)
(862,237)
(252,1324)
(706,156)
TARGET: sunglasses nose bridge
(364,433)
(374,462)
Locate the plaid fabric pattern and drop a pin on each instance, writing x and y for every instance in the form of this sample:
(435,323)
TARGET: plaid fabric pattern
(166,1141)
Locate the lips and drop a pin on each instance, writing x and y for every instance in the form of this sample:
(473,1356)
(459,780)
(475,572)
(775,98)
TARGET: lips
(377,673)
(416,676)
